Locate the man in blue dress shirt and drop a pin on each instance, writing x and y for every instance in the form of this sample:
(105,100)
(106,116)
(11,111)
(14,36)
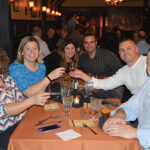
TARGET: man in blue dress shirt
(137,107)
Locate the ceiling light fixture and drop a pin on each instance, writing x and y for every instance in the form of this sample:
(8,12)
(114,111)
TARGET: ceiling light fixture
(113,2)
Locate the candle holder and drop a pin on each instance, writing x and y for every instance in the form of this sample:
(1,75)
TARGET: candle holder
(77,101)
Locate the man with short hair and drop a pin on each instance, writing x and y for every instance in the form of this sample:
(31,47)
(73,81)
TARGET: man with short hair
(133,75)
(76,36)
(98,61)
(37,33)
(142,45)
(50,39)
(136,107)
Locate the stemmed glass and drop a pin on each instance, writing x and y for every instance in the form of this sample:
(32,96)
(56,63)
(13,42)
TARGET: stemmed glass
(72,66)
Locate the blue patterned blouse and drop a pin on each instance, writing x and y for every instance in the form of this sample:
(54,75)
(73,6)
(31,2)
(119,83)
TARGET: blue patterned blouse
(25,78)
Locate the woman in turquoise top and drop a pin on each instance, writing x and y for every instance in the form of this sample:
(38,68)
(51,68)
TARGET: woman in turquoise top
(29,71)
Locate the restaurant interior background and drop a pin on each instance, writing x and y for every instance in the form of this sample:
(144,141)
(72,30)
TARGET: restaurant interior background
(17,18)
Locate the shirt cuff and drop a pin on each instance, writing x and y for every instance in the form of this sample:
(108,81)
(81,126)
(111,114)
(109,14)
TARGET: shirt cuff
(95,83)
(131,116)
(144,137)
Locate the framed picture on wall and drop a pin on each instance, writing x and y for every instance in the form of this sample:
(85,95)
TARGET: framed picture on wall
(16,5)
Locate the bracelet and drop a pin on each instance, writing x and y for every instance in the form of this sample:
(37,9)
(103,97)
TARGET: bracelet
(48,78)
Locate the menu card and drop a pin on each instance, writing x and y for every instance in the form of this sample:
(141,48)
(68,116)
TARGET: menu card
(51,107)
(79,123)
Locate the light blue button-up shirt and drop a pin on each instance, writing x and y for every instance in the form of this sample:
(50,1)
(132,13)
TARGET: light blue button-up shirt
(138,106)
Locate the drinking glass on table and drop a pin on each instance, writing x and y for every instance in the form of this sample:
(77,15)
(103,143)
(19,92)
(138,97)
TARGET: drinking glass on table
(48,89)
(65,89)
(67,99)
(67,102)
(88,89)
(94,108)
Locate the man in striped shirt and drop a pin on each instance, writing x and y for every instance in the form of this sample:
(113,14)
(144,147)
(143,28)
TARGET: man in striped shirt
(99,62)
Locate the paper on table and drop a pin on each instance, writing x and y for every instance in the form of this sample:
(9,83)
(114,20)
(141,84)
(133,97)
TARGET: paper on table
(53,106)
(79,123)
(68,135)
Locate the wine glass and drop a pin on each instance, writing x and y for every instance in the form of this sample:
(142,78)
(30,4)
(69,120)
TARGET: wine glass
(72,66)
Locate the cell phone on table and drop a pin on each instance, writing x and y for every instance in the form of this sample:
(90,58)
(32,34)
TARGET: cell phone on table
(48,128)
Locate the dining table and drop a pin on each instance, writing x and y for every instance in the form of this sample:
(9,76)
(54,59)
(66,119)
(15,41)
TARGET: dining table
(27,137)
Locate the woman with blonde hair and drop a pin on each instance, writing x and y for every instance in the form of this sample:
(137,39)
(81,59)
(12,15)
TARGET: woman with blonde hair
(29,71)
(12,103)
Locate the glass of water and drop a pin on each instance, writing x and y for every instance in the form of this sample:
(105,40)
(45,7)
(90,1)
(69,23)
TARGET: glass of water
(88,89)
(65,90)
(67,102)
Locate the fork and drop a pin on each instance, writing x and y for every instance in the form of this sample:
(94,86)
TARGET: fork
(86,126)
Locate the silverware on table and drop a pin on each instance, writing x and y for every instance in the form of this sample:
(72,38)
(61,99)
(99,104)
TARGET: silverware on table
(50,117)
(86,126)
(60,121)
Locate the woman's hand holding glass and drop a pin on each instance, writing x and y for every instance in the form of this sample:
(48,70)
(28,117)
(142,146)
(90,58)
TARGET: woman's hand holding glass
(80,74)
(40,98)
(58,72)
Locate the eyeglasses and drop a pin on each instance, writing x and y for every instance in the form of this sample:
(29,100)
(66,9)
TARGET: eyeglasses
(90,42)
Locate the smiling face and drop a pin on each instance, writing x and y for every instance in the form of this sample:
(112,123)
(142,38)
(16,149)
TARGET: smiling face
(30,52)
(90,44)
(69,51)
(128,52)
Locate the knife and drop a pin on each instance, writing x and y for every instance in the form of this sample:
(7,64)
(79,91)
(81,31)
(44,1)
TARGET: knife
(41,121)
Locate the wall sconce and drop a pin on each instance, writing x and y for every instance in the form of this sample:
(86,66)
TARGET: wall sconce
(48,11)
(59,14)
(44,8)
(56,13)
(31,4)
(53,12)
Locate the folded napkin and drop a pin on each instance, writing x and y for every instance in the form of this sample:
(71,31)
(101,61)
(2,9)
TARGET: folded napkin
(68,135)
(53,106)
(79,123)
